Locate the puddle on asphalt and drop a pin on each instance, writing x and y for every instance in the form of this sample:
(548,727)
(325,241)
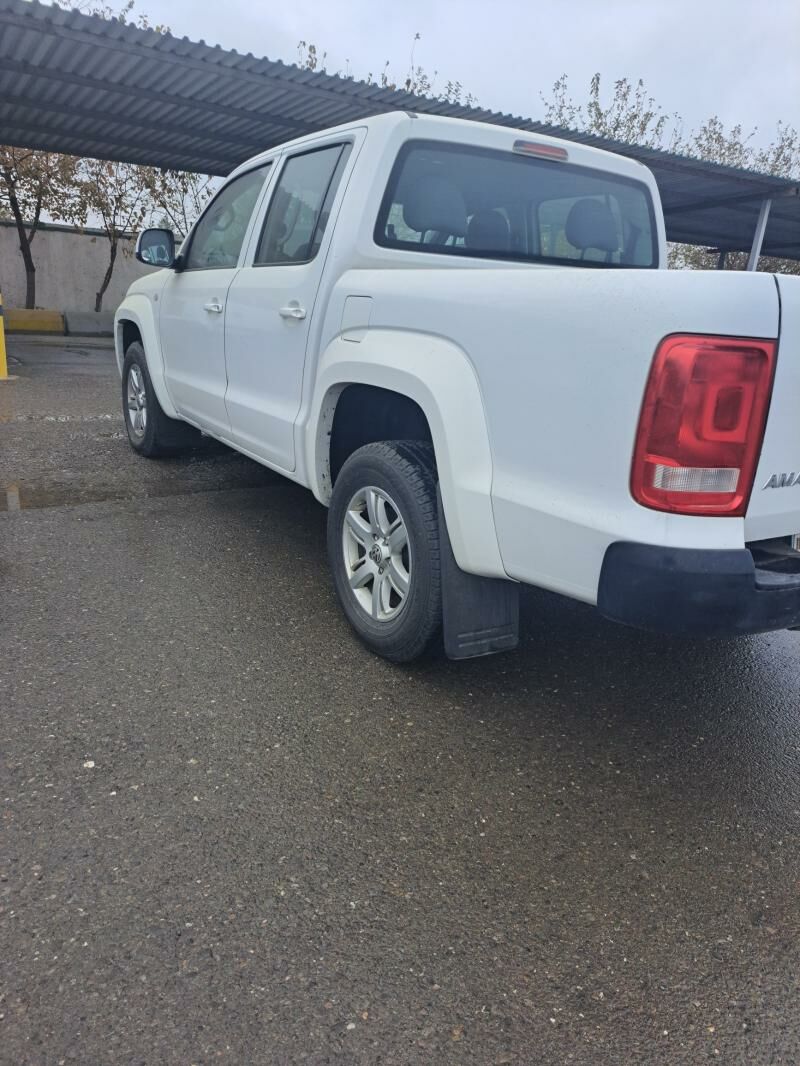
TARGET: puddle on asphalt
(32,495)
(24,496)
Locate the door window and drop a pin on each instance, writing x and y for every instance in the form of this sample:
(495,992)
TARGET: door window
(217,240)
(300,207)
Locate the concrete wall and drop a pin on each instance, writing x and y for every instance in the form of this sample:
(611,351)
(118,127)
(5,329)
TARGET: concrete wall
(70,265)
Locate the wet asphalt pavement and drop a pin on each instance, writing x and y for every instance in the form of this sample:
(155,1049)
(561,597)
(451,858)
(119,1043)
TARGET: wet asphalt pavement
(230,834)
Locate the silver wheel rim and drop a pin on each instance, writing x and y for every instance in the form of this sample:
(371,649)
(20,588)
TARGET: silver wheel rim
(137,401)
(377,554)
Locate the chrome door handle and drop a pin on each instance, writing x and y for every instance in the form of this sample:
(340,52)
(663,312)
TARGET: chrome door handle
(293,310)
(213,305)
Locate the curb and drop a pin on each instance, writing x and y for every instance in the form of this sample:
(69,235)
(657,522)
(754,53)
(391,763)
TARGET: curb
(89,323)
(20,320)
(61,323)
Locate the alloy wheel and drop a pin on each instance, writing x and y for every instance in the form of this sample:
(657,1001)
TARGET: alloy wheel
(137,401)
(377,554)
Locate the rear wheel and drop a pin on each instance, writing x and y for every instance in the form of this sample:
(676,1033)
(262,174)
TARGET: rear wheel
(150,431)
(383,546)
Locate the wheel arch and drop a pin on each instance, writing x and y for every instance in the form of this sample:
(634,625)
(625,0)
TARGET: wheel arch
(365,414)
(437,378)
(135,320)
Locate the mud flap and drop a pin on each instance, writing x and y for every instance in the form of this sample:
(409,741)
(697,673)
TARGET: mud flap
(480,614)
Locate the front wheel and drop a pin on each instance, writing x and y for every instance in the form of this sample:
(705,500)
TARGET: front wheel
(150,431)
(383,546)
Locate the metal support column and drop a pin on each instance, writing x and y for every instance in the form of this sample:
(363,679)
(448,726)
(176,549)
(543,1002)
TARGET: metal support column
(3,360)
(758,236)
(721,258)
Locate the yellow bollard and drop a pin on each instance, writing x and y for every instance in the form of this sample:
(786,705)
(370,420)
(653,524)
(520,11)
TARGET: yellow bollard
(3,360)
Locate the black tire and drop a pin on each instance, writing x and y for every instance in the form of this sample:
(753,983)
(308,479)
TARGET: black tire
(160,435)
(406,472)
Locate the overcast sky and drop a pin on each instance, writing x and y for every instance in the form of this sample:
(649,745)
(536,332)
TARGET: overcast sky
(739,59)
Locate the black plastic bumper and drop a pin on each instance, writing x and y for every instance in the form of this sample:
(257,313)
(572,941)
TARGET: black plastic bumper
(708,593)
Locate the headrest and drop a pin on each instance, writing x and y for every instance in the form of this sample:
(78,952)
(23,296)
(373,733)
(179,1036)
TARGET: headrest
(590,224)
(435,203)
(488,231)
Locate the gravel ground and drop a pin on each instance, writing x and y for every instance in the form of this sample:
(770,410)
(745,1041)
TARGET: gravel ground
(230,834)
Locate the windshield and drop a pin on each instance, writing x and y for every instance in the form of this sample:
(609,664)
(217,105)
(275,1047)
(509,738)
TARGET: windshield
(461,200)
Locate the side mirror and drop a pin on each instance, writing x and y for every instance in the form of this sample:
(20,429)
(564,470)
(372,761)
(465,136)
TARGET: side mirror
(156,247)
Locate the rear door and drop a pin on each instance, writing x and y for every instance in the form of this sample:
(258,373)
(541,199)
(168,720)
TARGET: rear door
(271,300)
(193,302)
(774,509)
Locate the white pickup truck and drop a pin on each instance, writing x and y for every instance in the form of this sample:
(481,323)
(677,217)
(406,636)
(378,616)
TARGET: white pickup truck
(463,339)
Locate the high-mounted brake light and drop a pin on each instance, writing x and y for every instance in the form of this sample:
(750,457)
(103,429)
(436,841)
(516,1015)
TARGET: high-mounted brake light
(543,151)
(702,424)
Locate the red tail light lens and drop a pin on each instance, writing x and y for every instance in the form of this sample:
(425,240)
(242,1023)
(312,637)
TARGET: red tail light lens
(702,424)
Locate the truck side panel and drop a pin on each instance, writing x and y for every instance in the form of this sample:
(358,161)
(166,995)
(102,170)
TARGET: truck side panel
(561,358)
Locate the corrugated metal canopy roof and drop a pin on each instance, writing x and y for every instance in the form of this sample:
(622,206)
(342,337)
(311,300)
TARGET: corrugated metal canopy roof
(87,86)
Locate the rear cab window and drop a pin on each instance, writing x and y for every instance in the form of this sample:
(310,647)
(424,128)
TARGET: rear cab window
(466,201)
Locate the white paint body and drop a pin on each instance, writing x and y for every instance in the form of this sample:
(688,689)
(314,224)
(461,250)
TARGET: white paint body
(531,376)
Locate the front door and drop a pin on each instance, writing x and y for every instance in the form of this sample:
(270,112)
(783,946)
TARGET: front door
(270,304)
(193,302)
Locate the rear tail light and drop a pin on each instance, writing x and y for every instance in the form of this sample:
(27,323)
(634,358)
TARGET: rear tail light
(702,424)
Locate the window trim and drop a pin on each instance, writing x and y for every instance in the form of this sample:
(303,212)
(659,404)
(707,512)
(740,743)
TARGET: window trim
(266,166)
(379,231)
(345,150)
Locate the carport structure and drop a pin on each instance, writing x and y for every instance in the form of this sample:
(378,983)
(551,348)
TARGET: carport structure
(83,85)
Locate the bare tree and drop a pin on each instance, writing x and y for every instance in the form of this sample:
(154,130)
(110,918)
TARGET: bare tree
(32,184)
(178,196)
(631,115)
(124,13)
(417,80)
(118,194)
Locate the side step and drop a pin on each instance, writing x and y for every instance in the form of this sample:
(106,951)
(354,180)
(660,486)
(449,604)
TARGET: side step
(480,614)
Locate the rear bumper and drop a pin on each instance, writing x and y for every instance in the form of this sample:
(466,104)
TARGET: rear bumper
(707,593)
